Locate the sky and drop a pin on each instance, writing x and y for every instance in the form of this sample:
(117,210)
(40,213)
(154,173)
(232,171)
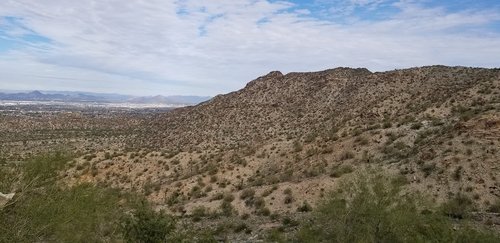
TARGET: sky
(208,47)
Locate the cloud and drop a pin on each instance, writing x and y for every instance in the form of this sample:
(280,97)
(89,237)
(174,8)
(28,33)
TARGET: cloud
(210,47)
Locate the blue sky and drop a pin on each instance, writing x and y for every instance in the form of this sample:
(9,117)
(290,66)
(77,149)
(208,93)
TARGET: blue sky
(207,47)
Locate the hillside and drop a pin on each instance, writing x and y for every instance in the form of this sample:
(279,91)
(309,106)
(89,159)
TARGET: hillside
(277,106)
(286,139)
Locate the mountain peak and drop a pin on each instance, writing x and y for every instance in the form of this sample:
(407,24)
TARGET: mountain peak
(36,92)
(273,74)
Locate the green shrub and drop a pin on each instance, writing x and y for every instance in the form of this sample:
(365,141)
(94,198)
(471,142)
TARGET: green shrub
(374,209)
(305,207)
(416,126)
(495,207)
(338,171)
(147,226)
(297,147)
(44,168)
(84,213)
(346,155)
(226,208)
(199,212)
(428,169)
(247,193)
(9,175)
(458,207)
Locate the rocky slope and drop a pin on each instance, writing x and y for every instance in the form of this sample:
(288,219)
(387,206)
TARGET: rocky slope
(290,106)
(287,139)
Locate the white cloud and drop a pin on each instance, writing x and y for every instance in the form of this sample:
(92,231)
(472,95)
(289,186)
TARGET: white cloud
(208,47)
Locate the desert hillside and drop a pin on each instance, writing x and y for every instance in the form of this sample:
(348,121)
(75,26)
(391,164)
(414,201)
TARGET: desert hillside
(288,138)
(270,152)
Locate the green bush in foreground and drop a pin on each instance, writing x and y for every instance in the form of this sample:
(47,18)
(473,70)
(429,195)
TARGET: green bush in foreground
(44,210)
(145,225)
(368,209)
(374,209)
(81,214)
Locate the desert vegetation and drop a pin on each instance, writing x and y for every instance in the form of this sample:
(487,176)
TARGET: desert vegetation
(247,165)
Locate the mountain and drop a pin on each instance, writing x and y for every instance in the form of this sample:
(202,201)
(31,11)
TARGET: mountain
(436,127)
(169,99)
(284,141)
(74,96)
(277,106)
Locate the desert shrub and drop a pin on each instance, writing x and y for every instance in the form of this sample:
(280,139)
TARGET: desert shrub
(9,175)
(457,173)
(297,146)
(259,202)
(217,196)
(238,160)
(338,171)
(374,209)
(458,207)
(264,211)
(305,207)
(199,212)
(46,211)
(361,140)
(247,193)
(396,151)
(240,227)
(428,169)
(145,225)
(228,197)
(289,222)
(44,168)
(52,214)
(226,208)
(495,207)
(416,126)
(346,155)
(309,138)
(288,199)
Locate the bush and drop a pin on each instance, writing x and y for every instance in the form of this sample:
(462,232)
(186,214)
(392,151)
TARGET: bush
(495,207)
(416,126)
(374,209)
(47,211)
(247,193)
(84,213)
(305,207)
(428,169)
(44,168)
(226,208)
(346,155)
(199,212)
(145,225)
(338,171)
(458,207)
(43,211)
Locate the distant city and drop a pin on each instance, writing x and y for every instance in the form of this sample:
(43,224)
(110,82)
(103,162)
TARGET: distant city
(89,99)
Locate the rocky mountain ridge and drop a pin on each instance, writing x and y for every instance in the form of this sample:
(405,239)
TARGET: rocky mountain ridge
(292,105)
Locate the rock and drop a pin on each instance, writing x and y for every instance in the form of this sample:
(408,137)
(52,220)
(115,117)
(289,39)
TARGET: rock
(7,196)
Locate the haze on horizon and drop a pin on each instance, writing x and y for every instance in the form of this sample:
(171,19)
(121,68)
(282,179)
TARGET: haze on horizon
(192,47)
